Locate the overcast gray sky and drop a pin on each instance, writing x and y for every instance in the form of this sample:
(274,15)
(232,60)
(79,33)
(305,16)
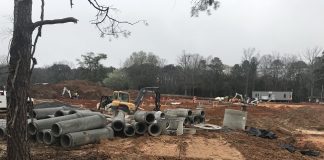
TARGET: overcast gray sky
(286,26)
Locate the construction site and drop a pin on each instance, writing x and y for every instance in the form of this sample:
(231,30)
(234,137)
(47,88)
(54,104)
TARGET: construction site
(161,80)
(267,130)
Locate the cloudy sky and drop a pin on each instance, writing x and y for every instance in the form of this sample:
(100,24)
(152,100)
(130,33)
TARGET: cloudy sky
(285,26)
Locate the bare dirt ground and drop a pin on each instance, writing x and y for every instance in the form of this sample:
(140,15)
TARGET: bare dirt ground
(301,125)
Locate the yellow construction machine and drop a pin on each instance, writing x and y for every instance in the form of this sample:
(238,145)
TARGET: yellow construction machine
(120,100)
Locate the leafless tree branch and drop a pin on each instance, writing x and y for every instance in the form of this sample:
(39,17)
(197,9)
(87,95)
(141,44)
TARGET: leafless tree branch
(39,33)
(54,21)
(203,5)
(71,3)
(311,54)
(106,24)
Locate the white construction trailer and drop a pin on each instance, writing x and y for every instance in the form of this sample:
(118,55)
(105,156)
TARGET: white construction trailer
(273,95)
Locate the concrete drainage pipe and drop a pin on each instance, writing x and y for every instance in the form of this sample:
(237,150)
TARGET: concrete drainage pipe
(49,138)
(194,119)
(143,116)
(40,136)
(38,125)
(199,112)
(140,127)
(154,129)
(118,122)
(60,113)
(180,112)
(86,137)
(159,115)
(78,124)
(129,130)
(42,113)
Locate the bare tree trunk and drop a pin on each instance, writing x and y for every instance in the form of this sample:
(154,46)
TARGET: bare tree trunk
(246,84)
(18,81)
(312,84)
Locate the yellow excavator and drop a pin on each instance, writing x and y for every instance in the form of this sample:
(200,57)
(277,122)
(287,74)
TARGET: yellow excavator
(120,100)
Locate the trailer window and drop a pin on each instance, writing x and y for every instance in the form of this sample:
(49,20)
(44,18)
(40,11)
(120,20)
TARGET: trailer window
(285,95)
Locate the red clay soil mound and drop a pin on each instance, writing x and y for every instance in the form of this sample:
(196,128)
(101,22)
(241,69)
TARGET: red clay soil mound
(86,90)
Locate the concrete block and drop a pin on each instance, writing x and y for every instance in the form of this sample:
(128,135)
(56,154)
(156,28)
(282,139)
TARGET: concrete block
(235,119)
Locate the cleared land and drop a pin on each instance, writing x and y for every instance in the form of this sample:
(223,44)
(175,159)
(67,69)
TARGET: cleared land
(299,124)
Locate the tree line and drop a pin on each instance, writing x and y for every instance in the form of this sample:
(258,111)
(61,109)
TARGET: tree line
(196,75)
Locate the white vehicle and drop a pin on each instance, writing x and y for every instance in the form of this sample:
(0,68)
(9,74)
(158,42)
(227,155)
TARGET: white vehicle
(3,99)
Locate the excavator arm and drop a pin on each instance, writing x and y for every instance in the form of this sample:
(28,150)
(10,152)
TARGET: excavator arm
(141,94)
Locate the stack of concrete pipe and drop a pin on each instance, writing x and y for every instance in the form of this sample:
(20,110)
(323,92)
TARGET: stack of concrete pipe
(176,119)
(71,127)
(191,116)
(198,116)
(68,128)
(137,124)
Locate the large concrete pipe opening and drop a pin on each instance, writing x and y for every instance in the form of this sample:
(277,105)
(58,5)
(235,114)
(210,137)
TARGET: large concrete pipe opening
(66,141)
(40,137)
(60,113)
(162,115)
(42,113)
(201,119)
(47,138)
(154,129)
(189,112)
(32,128)
(117,125)
(140,127)
(159,115)
(129,130)
(179,112)
(118,122)
(56,130)
(150,118)
(187,121)
(73,111)
(196,119)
